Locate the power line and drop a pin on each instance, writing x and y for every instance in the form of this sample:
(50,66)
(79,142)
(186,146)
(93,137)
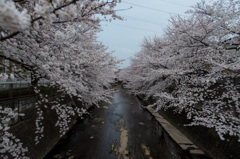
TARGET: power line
(150,8)
(142,20)
(123,9)
(135,28)
(175,3)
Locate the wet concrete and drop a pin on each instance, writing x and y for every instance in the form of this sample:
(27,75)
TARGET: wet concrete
(122,129)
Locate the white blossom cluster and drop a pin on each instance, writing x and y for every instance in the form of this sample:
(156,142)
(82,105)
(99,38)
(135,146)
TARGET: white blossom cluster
(58,43)
(39,121)
(18,16)
(194,67)
(65,112)
(11,18)
(10,144)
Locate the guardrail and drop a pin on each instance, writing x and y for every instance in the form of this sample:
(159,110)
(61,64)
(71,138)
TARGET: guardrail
(11,85)
(19,84)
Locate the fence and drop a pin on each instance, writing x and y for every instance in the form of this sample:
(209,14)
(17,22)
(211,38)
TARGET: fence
(11,85)
(19,104)
(22,103)
(19,84)
(19,96)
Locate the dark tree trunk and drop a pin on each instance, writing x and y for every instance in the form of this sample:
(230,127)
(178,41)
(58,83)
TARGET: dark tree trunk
(34,80)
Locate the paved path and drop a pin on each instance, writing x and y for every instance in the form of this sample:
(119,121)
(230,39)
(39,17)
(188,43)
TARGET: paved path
(118,130)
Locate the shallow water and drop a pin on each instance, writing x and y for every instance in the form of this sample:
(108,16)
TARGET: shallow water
(122,129)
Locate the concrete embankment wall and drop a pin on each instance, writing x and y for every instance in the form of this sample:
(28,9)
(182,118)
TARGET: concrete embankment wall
(205,138)
(25,129)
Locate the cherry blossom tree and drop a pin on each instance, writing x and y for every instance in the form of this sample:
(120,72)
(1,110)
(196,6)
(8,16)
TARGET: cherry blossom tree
(194,67)
(56,40)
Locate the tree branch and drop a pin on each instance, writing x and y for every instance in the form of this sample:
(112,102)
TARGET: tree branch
(25,66)
(56,9)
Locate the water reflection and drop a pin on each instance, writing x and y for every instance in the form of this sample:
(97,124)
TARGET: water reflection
(118,130)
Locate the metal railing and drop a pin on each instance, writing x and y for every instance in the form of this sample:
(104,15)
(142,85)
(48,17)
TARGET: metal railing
(11,85)
(19,84)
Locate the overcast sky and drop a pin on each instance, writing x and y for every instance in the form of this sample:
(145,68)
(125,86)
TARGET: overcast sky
(146,18)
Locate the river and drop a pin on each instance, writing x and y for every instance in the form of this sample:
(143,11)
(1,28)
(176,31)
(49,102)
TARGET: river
(120,130)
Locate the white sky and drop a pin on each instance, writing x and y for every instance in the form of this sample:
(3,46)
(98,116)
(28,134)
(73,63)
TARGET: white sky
(147,18)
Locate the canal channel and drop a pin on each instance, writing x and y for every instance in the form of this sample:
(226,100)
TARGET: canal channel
(120,130)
